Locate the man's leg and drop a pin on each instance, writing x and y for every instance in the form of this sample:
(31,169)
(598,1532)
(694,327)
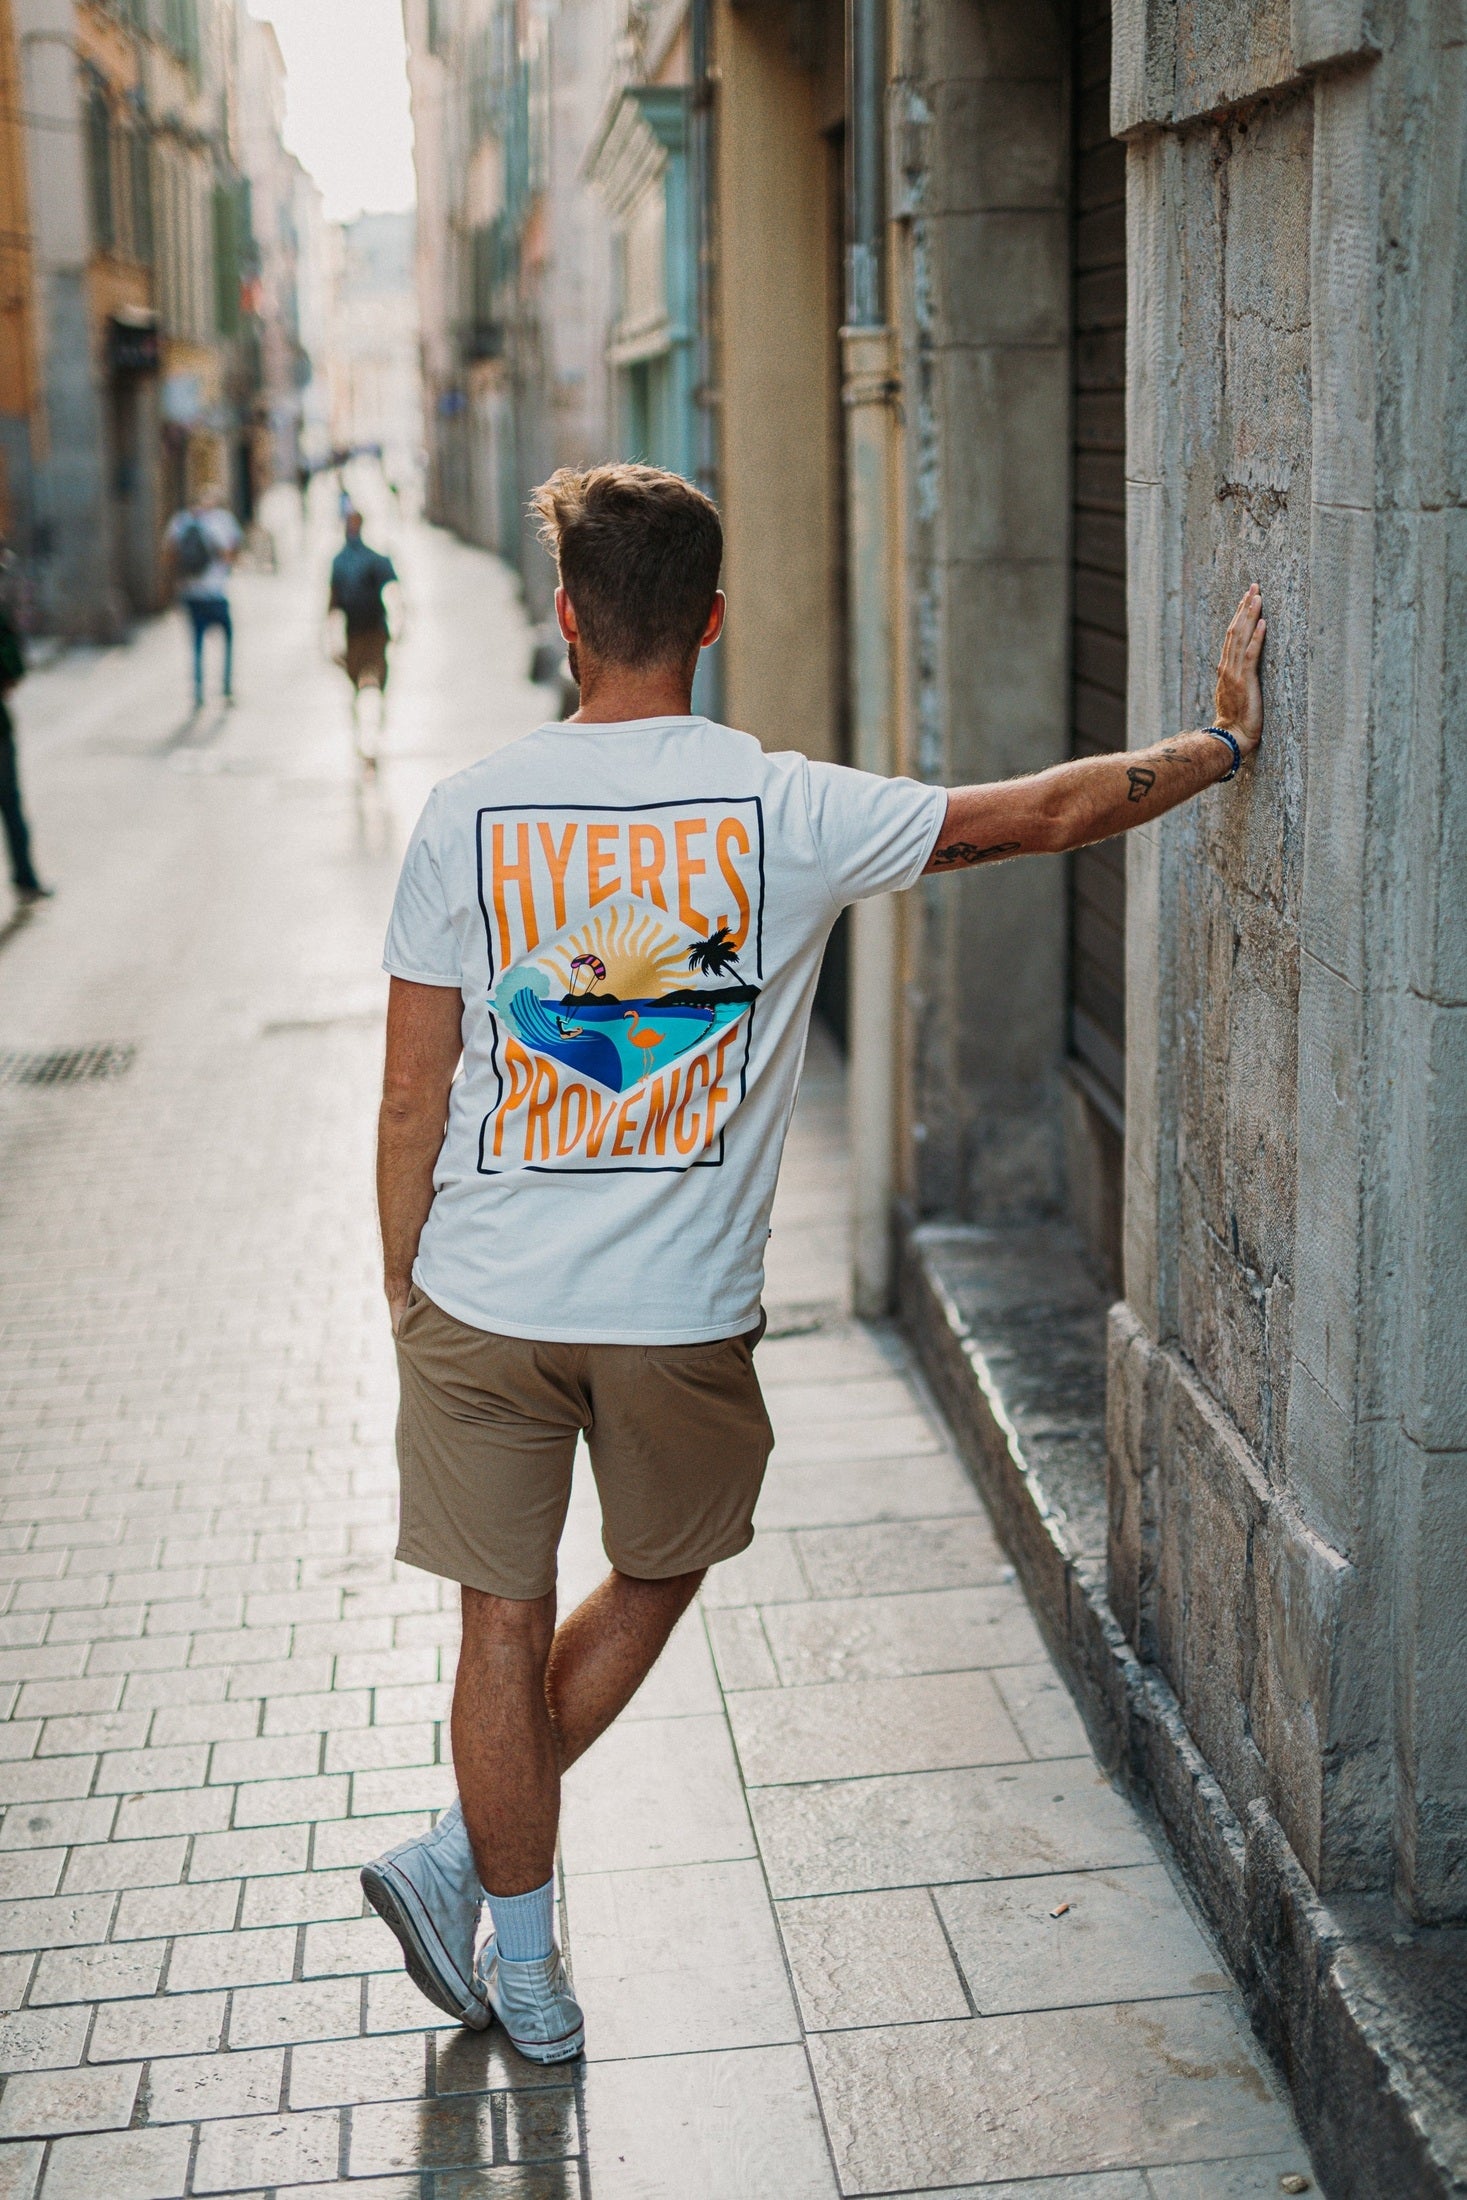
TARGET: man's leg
(530,1699)
(225,618)
(22,871)
(197,621)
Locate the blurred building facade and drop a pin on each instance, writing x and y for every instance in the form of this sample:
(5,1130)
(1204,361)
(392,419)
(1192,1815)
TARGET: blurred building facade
(514,268)
(373,364)
(1015,339)
(154,341)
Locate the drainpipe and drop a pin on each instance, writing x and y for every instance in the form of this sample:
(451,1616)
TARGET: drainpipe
(708,690)
(869,390)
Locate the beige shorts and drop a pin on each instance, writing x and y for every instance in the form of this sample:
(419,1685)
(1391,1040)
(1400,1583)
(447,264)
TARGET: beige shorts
(487,1431)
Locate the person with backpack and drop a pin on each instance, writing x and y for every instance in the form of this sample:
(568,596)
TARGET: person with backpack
(203,542)
(603,956)
(28,887)
(359,577)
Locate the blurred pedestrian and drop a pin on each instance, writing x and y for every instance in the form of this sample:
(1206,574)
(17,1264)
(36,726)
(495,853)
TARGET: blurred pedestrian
(28,887)
(359,577)
(203,542)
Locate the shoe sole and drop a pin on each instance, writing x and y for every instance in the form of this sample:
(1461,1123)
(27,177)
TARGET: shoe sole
(395,1903)
(538,2051)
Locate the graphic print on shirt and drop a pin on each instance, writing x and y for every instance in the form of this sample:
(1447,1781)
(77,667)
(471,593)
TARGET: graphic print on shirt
(625,958)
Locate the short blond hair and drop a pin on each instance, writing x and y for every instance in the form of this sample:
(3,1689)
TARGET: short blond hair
(639,552)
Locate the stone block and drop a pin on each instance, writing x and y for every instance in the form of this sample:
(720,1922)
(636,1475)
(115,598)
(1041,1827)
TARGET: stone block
(1228,51)
(1005,415)
(999,144)
(1328,1276)
(992,39)
(1000,278)
(1326,31)
(1005,671)
(1436,1232)
(1431,1650)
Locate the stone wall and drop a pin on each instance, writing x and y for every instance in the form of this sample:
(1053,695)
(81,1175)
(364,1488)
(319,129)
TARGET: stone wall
(981,289)
(1289,1408)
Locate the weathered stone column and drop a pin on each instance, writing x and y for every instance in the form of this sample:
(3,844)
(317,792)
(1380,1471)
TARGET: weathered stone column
(1289,1410)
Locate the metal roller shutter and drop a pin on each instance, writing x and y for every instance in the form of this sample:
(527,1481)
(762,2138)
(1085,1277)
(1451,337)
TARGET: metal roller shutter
(1098,579)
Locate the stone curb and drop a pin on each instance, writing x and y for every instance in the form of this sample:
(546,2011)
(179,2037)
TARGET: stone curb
(1309,1998)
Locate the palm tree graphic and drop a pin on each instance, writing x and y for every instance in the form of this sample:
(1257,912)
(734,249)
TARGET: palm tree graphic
(714,956)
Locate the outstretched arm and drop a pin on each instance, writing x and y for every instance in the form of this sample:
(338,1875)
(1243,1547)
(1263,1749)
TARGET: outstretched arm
(1093,797)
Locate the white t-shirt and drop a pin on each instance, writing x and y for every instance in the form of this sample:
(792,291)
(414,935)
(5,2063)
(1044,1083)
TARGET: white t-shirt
(221,531)
(635,916)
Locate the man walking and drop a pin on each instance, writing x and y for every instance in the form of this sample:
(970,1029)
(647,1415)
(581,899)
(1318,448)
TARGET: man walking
(616,925)
(28,887)
(359,577)
(204,541)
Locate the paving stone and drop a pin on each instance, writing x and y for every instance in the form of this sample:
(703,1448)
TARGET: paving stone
(91,1731)
(1259,2179)
(341,2072)
(768,1572)
(231,1959)
(377,1748)
(860,1492)
(26,1872)
(204,1722)
(933,1631)
(43,2039)
(274,2016)
(541,2126)
(37,2103)
(412,1787)
(156,1863)
(1055,2092)
(722,2126)
(665,1791)
(918,1724)
(172,2024)
(20,2168)
(870,1959)
(298,1898)
(15,1977)
(677,1960)
(1124,1936)
(267,2150)
(64,1921)
(267,1757)
(317,1713)
(1042,1709)
(349,1947)
(189,2087)
(443,2134)
(741,1649)
(98,1974)
(283,1802)
(130,2165)
(352,1842)
(934,1826)
(174,1810)
(888,1557)
(45,1779)
(261,1849)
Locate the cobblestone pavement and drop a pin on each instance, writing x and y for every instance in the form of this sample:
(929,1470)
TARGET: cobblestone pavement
(848,1905)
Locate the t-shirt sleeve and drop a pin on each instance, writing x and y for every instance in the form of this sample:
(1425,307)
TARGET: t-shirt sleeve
(872,835)
(421,942)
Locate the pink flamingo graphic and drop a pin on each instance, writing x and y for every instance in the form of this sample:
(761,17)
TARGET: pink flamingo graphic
(646,1036)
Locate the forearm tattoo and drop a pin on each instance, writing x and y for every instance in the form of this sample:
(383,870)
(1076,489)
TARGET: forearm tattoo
(960,853)
(1142,779)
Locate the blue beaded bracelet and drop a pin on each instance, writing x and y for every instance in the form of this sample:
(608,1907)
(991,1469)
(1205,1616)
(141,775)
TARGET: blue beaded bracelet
(1221,733)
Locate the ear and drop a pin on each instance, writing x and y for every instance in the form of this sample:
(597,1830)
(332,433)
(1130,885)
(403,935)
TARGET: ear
(565,613)
(716,618)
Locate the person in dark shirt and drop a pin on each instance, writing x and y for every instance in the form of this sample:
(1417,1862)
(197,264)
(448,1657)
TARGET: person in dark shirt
(359,576)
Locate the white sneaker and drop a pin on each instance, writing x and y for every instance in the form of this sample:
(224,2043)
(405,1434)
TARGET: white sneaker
(428,1892)
(534,2003)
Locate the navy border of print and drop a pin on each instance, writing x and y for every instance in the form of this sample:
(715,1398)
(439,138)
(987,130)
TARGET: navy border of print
(609,809)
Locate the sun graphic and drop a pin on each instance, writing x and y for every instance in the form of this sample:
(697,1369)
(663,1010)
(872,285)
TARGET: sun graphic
(643,958)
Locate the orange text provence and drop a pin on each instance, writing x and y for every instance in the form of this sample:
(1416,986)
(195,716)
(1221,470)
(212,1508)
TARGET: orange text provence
(548,1115)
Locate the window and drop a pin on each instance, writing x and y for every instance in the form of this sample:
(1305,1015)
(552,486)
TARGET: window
(226,259)
(140,163)
(99,169)
(181,30)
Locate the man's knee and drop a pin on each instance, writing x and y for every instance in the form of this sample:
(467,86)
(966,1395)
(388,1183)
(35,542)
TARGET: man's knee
(525,1624)
(669,1591)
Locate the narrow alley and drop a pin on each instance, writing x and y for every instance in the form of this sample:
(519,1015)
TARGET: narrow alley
(848,1904)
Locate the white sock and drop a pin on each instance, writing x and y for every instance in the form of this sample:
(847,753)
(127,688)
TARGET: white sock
(524,1924)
